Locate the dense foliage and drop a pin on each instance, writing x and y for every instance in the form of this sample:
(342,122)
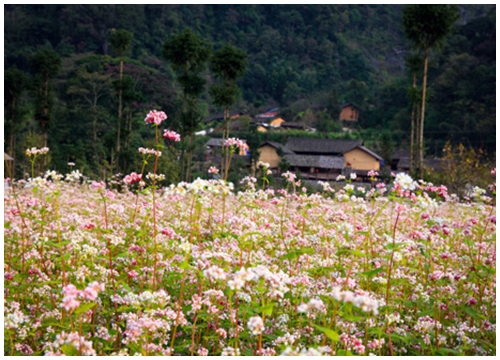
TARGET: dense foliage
(306,59)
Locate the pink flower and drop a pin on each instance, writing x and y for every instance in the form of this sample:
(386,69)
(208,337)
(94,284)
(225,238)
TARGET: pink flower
(132,178)
(213,170)
(234,142)
(171,135)
(96,185)
(155,117)
(471,301)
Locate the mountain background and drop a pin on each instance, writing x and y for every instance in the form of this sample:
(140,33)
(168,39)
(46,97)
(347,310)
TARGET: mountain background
(304,59)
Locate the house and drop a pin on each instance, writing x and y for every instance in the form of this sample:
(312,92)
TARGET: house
(269,153)
(314,146)
(356,157)
(349,112)
(401,162)
(361,160)
(319,167)
(276,122)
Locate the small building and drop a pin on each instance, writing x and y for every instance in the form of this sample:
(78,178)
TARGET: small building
(277,122)
(361,160)
(319,167)
(268,153)
(349,112)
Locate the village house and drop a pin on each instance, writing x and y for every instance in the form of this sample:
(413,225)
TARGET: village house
(269,152)
(322,158)
(349,112)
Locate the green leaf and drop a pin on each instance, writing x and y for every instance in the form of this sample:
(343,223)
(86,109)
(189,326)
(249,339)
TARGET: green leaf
(332,334)
(69,350)
(342,352)
(84,308)
(446,352)
(66,256)
(474,313)
(373,272)
(266,310)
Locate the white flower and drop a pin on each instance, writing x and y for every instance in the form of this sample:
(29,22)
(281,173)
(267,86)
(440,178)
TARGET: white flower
(256,325)
(405,181)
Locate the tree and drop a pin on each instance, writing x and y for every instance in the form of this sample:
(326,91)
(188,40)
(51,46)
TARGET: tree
(414,64)
(15,83)
(120,41)
(90,87)
(46,64)
(188,55)
(426,26)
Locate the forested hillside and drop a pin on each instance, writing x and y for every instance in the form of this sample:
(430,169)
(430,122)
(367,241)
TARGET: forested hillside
(304,59)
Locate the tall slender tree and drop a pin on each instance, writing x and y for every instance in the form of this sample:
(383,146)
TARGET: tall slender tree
(15,83)
(46,64)
(120,41)
(426,26)
(414,65)
(188,55)
(228,64)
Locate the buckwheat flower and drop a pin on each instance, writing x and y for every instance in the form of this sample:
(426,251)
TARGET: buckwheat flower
(289,176)
(215,273)
(229,351)
(213,170)
(340,178)
(132,178)
(155,117)
(202,352)
(171,135)
(405,181)
(256,325)
(353,176)
(234,142)
(263,164)
(96,185)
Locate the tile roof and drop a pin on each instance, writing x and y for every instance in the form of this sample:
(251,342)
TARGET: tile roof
(322,146)
(278,145)
(321,162)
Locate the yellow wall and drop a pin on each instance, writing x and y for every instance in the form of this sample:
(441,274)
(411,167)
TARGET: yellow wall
(361,160)
(261,128)
(269,155)
(349,113)
(277,122)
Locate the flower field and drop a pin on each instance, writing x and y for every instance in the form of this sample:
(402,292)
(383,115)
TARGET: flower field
(199,269)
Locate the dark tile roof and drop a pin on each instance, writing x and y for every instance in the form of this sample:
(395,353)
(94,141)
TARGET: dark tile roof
(278,145)
(400,153)
(315,161)
(322,146)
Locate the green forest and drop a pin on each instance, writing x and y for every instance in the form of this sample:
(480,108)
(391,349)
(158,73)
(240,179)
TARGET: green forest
(80,79)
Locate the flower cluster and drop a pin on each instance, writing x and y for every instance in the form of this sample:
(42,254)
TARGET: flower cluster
(72,294)
(155,117)
(36,152)
(132,178)
(234,142)
(149,151)
(171,135)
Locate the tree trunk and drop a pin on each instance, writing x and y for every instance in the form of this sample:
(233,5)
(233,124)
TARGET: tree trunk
(422,115)
(119,117)
(412,123)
